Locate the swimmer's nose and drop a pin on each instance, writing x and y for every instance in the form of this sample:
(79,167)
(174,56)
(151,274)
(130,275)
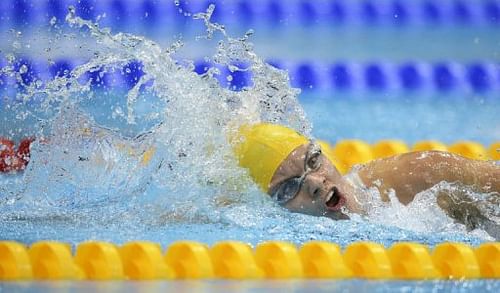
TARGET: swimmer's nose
(315,184)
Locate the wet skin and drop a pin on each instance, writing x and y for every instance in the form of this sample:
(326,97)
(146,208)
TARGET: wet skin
(410,173)
(324,191)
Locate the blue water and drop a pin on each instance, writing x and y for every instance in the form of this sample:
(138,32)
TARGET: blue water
(165,207)
(257,286)
(334,118)
(409,117)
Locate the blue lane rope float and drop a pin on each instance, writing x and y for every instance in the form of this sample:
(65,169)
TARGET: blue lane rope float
(411,76)
(120,13)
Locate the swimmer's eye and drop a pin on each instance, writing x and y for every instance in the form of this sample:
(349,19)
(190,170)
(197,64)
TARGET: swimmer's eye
(313,161)
(287,190)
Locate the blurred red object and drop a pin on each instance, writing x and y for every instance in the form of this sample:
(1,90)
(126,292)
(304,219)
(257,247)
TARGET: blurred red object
(6,154)
(11,160)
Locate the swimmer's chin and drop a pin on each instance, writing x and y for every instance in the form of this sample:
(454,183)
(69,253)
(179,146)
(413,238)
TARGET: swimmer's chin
(336,215)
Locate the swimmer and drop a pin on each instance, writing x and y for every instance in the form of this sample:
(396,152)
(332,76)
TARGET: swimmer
(299,175)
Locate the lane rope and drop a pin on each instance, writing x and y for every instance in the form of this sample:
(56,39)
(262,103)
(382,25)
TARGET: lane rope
(143,260)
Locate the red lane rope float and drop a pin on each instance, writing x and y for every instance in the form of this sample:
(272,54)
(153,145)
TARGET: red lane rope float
(11,159)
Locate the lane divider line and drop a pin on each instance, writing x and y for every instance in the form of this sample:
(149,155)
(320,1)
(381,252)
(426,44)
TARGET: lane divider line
(140,260)
(378,76)
(347,152)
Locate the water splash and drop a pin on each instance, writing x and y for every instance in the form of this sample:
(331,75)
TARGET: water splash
(469,211)
(179,168)
(81,163)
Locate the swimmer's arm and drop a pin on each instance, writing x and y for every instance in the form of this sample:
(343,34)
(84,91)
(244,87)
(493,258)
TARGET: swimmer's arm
(411,173)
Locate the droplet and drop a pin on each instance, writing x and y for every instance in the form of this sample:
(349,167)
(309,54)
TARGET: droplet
(23,69)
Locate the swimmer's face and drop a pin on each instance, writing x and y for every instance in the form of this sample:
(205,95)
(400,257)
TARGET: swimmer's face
(322,192)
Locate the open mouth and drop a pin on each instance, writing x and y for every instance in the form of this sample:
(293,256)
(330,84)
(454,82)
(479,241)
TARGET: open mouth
(335,200)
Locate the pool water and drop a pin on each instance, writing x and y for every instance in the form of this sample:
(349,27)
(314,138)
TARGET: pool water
(169,108)
(257,286)
(403,116)
(369,118)
(86,179)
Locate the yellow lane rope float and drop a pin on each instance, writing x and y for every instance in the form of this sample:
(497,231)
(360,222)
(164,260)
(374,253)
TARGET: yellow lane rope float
(141,260)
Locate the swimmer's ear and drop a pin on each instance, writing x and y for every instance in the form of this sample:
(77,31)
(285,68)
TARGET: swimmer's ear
(327,151)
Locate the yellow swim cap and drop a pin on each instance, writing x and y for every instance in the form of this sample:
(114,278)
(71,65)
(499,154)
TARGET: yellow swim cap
(262,147)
